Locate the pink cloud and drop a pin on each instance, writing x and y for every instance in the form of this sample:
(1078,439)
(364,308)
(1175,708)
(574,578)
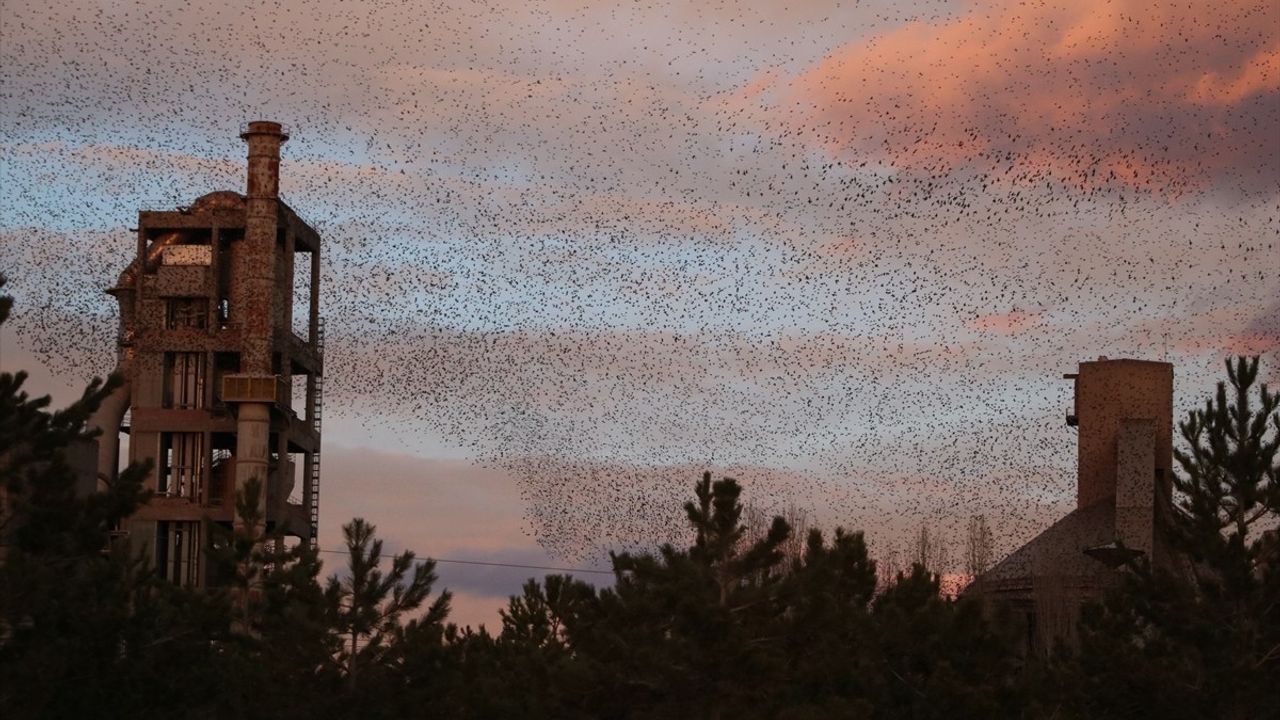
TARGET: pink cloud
(1010,323)
(1233,343)
(1090,93)
(1259,74)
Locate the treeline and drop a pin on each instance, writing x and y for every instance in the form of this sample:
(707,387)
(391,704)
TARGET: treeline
(730,626)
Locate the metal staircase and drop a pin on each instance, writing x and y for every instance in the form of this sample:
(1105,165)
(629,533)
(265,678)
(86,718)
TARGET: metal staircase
(316,413)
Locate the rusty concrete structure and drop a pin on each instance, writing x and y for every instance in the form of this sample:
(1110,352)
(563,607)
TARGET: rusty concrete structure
(1124,413)
(223,385)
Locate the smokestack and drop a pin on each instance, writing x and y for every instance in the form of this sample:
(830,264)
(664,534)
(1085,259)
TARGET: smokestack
(253,295)
(264,138)
(257,266)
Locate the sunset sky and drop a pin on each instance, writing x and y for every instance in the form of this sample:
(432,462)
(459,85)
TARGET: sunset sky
(577,252)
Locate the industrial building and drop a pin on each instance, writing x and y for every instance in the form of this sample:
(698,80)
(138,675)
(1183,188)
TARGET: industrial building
(222,349)
(1124,414)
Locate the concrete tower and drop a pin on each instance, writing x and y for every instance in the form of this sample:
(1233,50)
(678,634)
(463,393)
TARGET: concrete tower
(221,347)
(1124,413)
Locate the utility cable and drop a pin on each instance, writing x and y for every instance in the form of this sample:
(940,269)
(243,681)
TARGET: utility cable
(494,564)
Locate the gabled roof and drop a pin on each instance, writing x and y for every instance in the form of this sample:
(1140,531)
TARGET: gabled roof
(1059,551)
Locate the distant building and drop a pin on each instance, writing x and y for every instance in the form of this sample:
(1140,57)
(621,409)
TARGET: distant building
(1124,412)
(223,384)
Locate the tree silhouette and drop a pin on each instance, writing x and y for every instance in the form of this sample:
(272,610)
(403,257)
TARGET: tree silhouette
(366,605)
(84,622)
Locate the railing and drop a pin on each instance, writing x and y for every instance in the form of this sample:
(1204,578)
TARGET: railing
(249,388)
(316,414)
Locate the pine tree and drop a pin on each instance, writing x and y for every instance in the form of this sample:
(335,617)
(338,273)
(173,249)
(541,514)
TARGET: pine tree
(1230,484)
(280,650)
(548,664)
(1225,525)
(828,629)
(366,606)
(935,657)
(696,632)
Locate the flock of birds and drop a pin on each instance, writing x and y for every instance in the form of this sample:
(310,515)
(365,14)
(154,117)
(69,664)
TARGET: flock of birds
(605,248)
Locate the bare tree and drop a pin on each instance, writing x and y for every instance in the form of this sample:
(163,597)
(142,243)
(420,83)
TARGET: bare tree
(888,566)
(930,552)
(757,522)
(1057,607)
(977,548)
(800,521)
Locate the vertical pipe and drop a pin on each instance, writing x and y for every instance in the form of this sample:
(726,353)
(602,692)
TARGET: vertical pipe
(313,331)
(287,282)
(211,312)
(253,434)
(253,288)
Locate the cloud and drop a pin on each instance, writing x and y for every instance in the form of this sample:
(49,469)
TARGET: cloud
(1093,94)
(1010,323)
(557,243)
(1235,343)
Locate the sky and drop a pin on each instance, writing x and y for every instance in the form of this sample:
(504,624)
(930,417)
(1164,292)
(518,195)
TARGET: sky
(578,252)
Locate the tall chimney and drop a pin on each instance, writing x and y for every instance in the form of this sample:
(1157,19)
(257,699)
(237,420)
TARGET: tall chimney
(257,267)
(253,294)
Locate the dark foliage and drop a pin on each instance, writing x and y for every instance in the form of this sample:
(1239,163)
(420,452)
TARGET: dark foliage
(732,626)
(1198,637)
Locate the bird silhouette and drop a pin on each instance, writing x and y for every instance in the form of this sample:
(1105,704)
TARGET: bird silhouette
(841,251)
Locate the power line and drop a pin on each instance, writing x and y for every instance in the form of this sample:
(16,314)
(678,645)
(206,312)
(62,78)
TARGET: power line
(494,564)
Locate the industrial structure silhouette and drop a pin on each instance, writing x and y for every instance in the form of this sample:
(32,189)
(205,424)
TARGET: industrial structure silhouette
(1124,413)
(223,375)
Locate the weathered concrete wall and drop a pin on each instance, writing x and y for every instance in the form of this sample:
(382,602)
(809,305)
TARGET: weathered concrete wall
(1107,392)
(1135,484)
(183,281)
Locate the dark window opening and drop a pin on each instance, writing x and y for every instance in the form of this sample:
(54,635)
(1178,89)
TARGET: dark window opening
(177,551)
(221,470)
(182,465)
(186,378)
(187,313)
